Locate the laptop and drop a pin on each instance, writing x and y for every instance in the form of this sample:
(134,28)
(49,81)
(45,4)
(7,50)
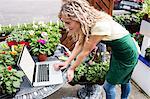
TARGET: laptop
(39,73)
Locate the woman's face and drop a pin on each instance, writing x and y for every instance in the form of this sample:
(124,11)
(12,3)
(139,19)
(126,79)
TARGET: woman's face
(72,25)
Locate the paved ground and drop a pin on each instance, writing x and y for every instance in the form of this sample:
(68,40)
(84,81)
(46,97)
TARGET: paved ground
(71,91)
(24,11)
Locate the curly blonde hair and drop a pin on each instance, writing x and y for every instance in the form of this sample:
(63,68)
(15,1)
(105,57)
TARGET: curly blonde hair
(81,11)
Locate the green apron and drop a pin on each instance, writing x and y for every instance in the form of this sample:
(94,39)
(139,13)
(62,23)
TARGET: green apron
(124,58)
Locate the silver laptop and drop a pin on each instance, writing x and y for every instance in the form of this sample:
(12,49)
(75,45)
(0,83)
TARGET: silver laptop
(39,73)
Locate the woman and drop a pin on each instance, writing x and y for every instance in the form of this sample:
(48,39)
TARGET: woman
(89,27)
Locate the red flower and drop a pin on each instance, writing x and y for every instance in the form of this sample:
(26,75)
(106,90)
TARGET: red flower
(24,43)
(12,43)
(27,43)
(3,52)
(9,68)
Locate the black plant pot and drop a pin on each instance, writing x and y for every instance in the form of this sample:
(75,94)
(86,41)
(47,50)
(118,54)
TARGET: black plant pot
(132,28)
(83,81)
(147,57)
(89,91)
(6,95)
(3,36)
(146,18)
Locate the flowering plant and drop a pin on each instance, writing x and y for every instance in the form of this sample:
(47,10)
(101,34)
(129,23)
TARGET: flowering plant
(41,38)
(10,79)
(6,30)
(138,37)
(43,43)
(18,37)
(147,53)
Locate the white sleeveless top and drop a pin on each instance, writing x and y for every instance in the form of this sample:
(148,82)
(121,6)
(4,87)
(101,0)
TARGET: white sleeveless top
(111,29)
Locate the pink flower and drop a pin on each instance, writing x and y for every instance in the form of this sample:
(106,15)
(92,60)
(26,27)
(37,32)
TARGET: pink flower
(137,33)
(41,41)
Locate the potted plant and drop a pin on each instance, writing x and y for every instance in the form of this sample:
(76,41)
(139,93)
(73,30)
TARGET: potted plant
(93,70)
(147,54)
(138,38)
(43,44)
(10,79)
(43,37)
(146,10)
(5,31)
(90,73)
(18,37)
(130,21)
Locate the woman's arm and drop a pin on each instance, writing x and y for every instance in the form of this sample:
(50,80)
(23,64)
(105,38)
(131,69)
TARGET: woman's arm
(75,52)
(89,45)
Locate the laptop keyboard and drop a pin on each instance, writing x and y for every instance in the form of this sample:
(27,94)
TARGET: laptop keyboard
(43,72)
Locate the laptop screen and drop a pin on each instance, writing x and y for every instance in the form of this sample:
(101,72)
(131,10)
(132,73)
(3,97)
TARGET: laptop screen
(27,64)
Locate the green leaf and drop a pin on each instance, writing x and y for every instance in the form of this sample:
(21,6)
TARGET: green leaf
(19,74)
(63,58)
(16,84)
(14,90)
(8,83)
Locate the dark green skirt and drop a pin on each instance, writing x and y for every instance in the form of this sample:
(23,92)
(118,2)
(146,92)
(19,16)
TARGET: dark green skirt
(124,58)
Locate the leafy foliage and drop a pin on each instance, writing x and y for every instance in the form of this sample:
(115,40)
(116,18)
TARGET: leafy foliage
(93,70)
(126,19)
(94,73)
(146,7)
(10,79)
(39,36)
(138,38)
(6,30)
(45,44)
(147,54)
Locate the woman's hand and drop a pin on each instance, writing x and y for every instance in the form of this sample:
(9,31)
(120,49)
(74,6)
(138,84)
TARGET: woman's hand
(60,66)
(70,74)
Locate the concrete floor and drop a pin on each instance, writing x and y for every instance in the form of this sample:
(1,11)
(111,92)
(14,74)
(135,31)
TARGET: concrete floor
(71,92)
(25,11)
